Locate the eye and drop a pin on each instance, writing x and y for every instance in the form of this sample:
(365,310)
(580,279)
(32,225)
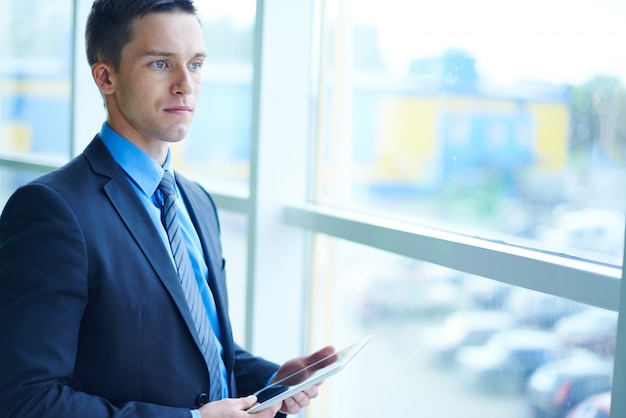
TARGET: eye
(196,65)
(159,64)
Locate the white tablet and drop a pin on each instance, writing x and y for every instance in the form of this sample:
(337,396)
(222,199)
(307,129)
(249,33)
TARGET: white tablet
(306,377)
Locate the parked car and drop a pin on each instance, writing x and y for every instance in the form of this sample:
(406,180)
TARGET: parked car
(596,406)
(592,233)
(594,329)
(485,293)
(506,360)
(414,290)
(465,328)
(539,309)
(556,387)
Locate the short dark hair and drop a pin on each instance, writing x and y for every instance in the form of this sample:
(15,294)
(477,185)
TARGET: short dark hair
(111,22)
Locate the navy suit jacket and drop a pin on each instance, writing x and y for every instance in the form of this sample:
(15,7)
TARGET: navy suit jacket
(93,321)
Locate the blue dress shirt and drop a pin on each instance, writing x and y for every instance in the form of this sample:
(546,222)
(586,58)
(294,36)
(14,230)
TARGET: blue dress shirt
(145,174)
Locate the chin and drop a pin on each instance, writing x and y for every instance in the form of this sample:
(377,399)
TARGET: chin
(177,135)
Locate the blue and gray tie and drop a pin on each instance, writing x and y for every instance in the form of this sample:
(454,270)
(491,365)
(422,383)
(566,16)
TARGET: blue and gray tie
(190,287)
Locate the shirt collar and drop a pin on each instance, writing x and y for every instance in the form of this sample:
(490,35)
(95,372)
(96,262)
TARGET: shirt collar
(139,166)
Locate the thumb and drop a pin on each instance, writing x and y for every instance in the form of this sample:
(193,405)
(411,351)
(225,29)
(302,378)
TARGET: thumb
(322,353)
(327,354)
(248,401)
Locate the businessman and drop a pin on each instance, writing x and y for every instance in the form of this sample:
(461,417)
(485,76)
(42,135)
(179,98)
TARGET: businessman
(113,299)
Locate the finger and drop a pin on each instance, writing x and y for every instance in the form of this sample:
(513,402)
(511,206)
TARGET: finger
(302,399)
(290,406)
(313,391)
(321,353)
(247,402)
(322,358)
(271,411)
(309,359)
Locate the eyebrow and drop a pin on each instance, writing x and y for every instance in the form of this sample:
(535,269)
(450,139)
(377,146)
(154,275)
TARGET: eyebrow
(156,53)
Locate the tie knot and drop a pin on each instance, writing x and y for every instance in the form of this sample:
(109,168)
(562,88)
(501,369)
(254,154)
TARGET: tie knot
(167,184)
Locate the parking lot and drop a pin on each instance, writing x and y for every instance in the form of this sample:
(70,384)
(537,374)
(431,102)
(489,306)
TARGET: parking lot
(408,371)
(394,376)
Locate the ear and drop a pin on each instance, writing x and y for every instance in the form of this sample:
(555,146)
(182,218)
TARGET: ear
(103,75)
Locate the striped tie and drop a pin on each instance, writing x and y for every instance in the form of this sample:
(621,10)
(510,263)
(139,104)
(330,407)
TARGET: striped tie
(189,285)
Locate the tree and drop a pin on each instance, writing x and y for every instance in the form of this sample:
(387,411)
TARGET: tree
(598,109)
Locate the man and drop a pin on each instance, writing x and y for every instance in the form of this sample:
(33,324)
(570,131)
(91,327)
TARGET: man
(95,318)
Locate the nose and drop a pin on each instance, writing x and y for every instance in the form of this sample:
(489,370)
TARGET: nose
(182,82)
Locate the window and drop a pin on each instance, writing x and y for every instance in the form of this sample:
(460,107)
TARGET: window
(449,343)
(35,43)
(502,120)
(470,136)
(234,228)
(217,150)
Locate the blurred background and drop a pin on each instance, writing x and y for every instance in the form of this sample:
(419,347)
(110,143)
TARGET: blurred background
(499,121)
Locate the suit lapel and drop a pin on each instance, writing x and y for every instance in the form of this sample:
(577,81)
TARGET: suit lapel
(128,206)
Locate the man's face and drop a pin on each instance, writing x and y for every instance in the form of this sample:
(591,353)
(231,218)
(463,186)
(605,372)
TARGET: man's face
(158,82)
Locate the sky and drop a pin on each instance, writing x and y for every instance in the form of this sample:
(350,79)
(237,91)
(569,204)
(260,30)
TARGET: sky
(557,41)
(547,40)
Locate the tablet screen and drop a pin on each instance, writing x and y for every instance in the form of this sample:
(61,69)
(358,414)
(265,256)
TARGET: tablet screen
(305,377)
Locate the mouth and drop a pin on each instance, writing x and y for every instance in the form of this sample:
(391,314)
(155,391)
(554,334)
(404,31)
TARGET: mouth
(179,110)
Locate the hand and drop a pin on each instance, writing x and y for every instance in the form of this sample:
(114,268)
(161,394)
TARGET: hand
(300,400)
(235,408)
(319,359)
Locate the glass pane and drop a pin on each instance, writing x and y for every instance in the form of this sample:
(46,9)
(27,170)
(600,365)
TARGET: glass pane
(35,89)
(450,345)
(217,150)
(501,119)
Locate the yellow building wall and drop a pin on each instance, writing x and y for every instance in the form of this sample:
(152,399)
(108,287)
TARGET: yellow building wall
(408,137)
(406,142)
(552,121)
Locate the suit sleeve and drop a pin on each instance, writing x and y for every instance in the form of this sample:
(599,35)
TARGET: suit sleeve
(43,293)
(251,373)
